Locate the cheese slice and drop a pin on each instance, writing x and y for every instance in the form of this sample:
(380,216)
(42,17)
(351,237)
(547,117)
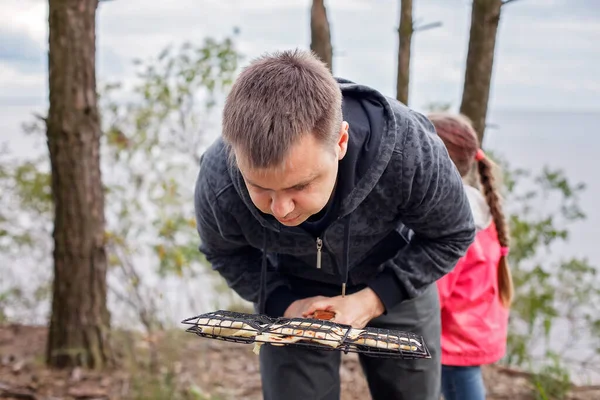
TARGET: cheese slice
(226,328)
(382,341)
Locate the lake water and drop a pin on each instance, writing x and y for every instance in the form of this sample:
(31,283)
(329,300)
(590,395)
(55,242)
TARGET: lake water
(526,139)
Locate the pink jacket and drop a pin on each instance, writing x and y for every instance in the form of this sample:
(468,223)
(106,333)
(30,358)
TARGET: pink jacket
(474,322)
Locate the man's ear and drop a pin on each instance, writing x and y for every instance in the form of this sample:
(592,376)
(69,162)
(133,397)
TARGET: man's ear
(343,138)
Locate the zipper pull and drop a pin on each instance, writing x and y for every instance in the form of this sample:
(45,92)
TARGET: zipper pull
(319,247)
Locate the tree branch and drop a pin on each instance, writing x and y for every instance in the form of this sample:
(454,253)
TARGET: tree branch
(427,26)
(505,2)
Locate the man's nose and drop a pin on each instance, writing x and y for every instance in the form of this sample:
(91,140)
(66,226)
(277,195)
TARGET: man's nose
(281,206)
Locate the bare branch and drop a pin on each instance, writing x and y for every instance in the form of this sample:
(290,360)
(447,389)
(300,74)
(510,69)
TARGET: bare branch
(39,117)
(145,306)
(427,26)
(505,2)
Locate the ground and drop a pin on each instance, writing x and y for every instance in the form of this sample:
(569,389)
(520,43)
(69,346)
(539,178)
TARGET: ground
(181,366)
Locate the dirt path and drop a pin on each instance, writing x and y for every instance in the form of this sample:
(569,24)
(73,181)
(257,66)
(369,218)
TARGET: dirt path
(188,367)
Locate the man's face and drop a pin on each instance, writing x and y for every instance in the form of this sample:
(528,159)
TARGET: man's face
(301,186)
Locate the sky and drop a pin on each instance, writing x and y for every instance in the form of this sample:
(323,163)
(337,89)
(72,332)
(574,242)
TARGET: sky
(546,55)
(547,59)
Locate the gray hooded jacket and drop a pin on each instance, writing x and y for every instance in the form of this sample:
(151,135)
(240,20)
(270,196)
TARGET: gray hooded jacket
(401,222)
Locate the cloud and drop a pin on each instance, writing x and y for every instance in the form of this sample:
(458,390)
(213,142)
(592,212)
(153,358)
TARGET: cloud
(557,10)
(24,45)
(22,87)
(21,51)
(23,33)
(27,17)
(546,55)
(543,47)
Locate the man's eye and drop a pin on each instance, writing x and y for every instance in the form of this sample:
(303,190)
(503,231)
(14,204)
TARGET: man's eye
(300,187)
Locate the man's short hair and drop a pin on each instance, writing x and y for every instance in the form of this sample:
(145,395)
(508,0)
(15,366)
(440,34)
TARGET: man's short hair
(276,100)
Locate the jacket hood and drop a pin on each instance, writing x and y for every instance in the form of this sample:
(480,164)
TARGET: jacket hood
(371,143)
(479,207)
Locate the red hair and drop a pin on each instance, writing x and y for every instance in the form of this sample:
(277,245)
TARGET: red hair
(460,138)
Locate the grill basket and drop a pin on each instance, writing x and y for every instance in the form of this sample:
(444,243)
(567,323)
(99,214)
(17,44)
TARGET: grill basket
(311,333)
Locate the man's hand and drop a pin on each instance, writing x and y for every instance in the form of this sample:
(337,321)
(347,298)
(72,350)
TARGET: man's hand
(298,307)
(356,309)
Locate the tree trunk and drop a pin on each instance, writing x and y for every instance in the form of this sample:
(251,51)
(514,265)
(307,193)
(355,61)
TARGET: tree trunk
(320,35)
(485,17)
(80,321)
(405,33)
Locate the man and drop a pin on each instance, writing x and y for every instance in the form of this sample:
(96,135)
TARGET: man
(324,194)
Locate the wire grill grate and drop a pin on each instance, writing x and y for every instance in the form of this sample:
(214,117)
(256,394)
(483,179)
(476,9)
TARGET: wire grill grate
(307,332)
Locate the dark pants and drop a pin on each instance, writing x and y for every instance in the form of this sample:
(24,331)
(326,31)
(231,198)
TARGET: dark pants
(462,383)
(290,373)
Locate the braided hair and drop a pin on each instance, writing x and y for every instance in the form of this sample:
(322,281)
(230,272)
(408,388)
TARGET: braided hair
(457,133)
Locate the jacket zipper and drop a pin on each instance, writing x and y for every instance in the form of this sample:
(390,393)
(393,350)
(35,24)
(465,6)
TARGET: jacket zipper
(319,247)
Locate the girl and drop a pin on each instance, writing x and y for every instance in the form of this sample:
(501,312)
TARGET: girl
(474,297)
